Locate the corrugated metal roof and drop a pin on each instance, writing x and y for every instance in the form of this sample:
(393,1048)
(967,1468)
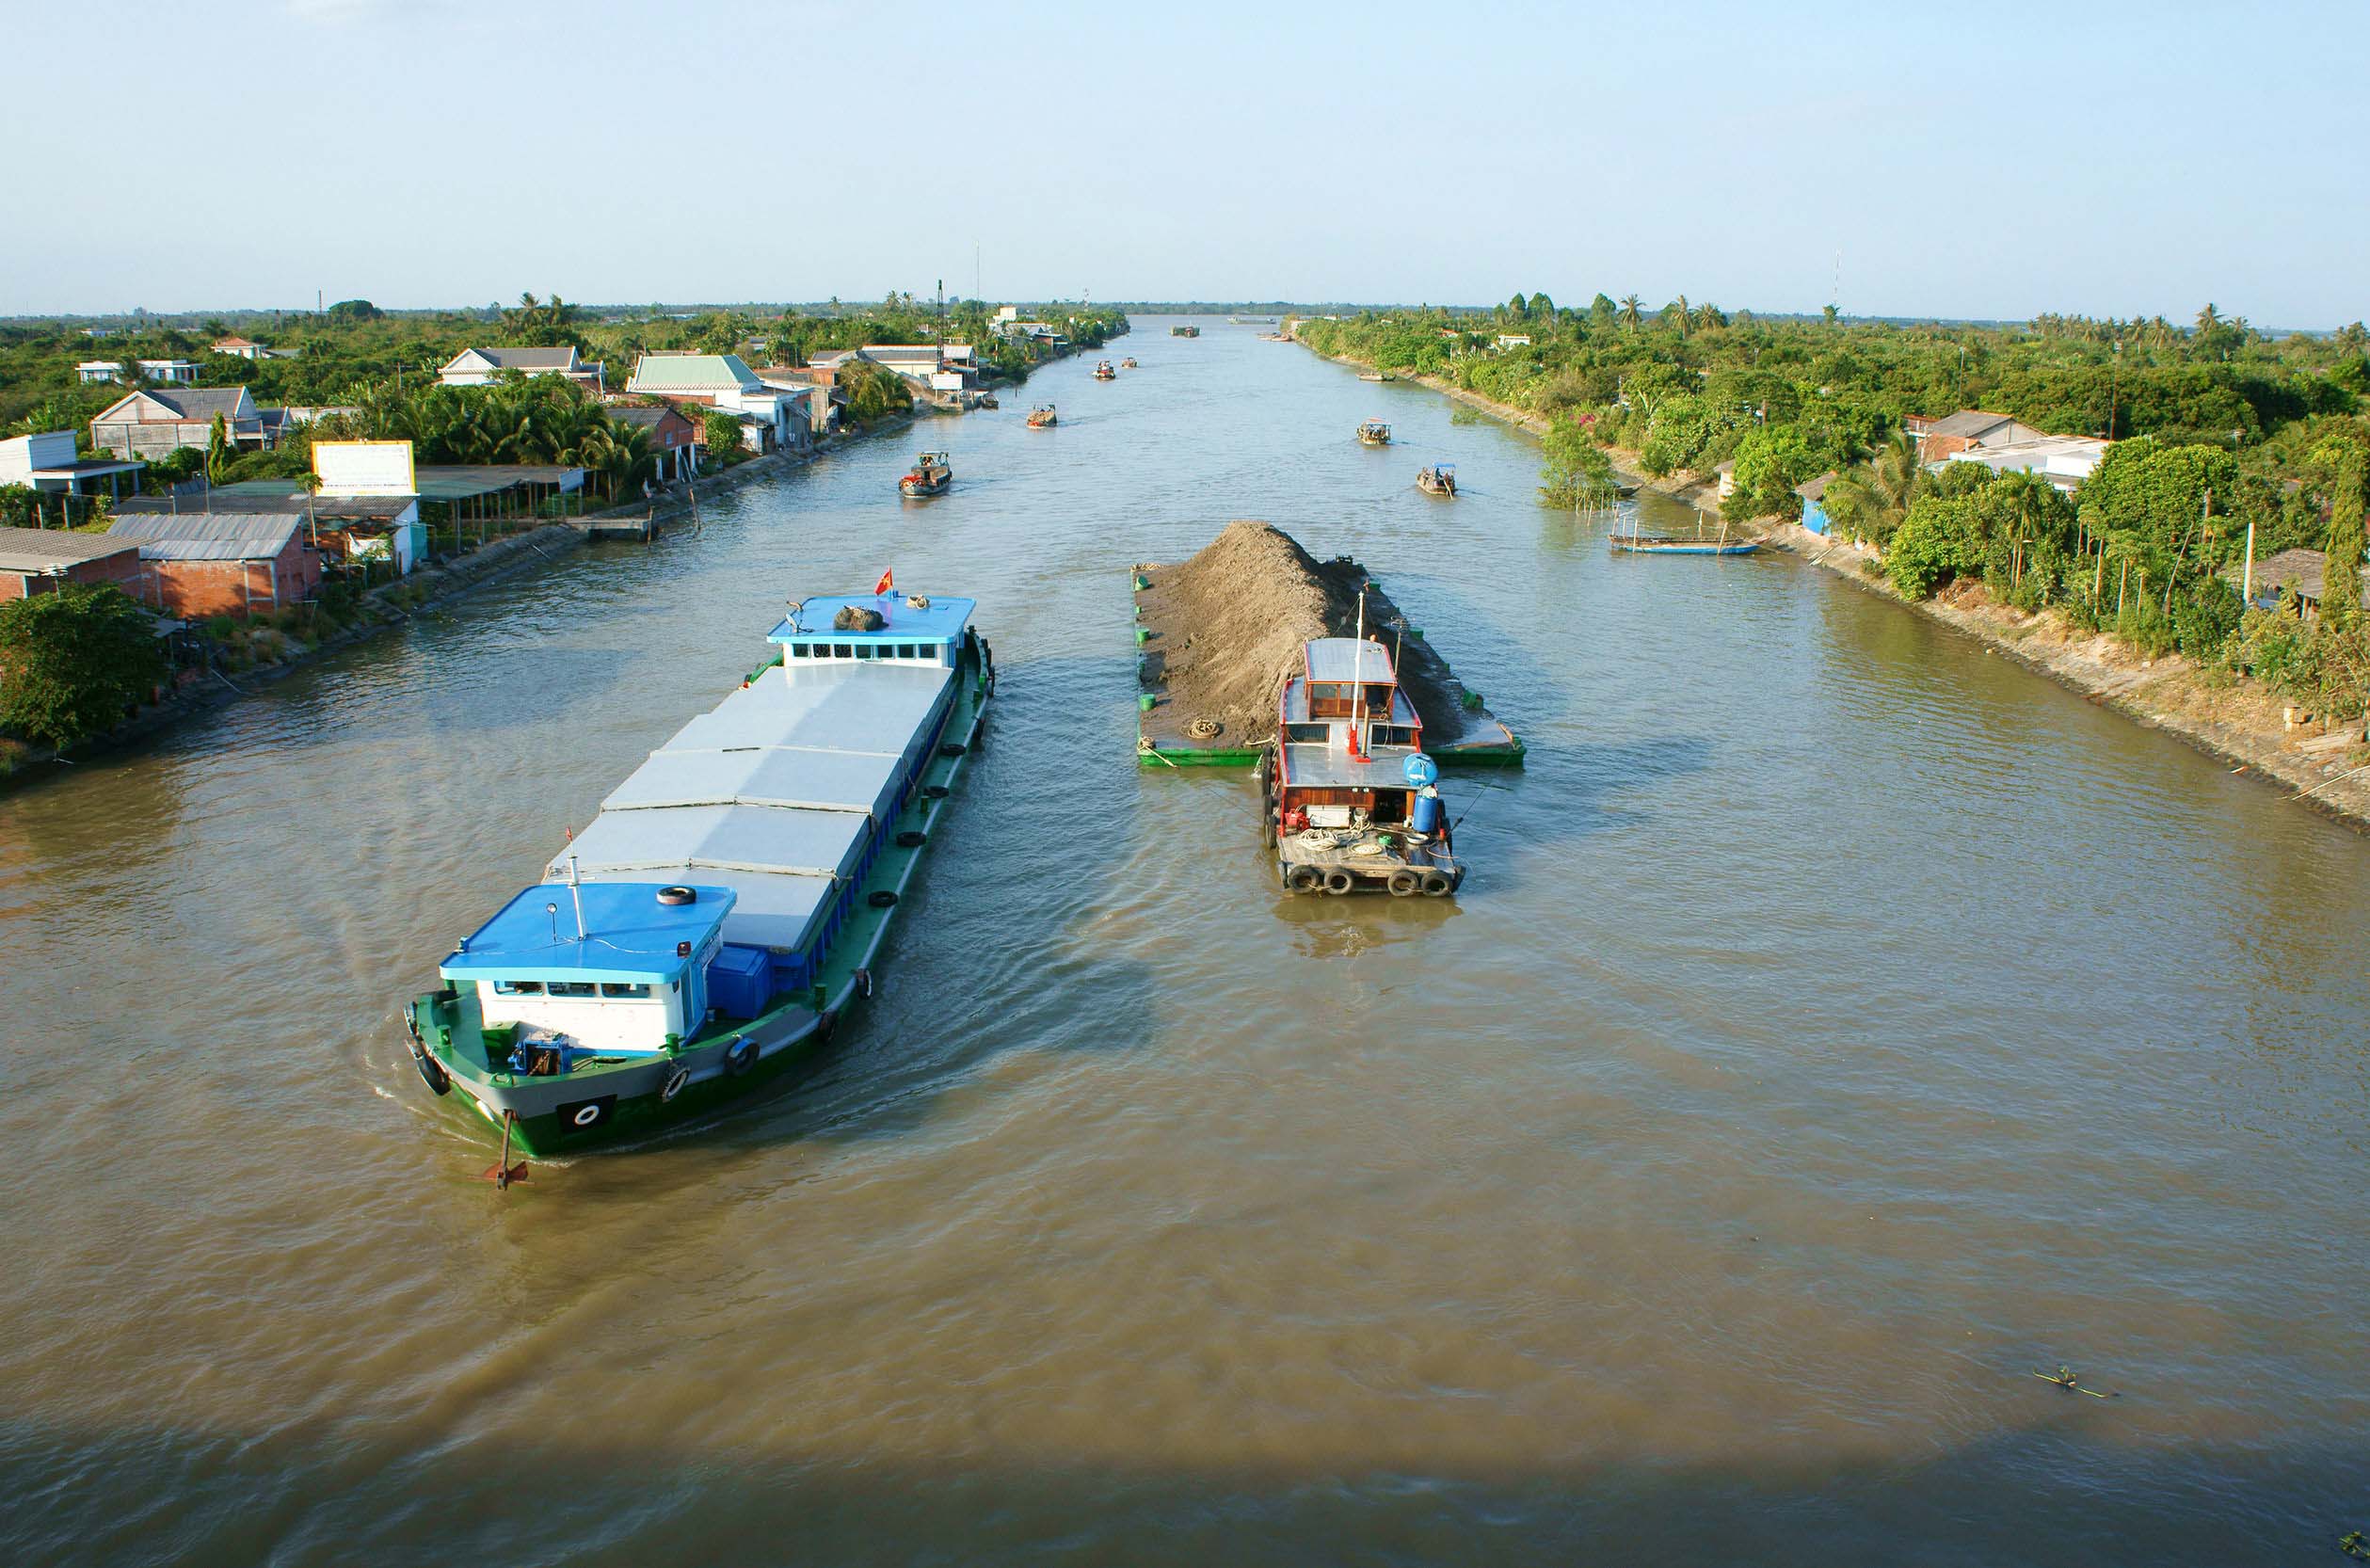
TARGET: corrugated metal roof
(191,403)
(207,535)
(51,549)
(687,373)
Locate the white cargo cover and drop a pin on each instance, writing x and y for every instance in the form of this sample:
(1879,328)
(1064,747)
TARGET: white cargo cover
(831,706)
(862,781)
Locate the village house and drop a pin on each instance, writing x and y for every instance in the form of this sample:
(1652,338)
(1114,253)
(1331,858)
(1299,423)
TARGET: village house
(1814,494)
(475,367)
(91,372)
(1513,340)
(47,461)
(204,564)
(154,423)
(339,527)
(42,560)
(1939,439)
(243,348)
(821,398)
(2300,573)
(723,381)
(674,440)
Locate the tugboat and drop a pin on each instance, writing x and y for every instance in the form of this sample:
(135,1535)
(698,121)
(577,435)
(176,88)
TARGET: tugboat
(1349,801)
(722,912)
(931,476)
(1373,432)
(1103,371)
(1437,479)
(1042,417)
(1127,363)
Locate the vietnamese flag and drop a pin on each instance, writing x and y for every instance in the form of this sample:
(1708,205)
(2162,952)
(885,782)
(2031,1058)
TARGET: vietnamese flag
(888,584)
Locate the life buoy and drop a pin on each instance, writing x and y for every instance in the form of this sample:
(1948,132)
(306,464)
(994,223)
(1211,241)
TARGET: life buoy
(1438,883)
(674,1085)
(432,1072)
(1406,882)
(1338,881)
(585,1116)
(677,895)
(1303,879)
(740,1056)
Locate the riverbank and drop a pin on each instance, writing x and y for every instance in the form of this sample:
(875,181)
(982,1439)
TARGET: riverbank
(390,604)
(2235,719)
(2238,722)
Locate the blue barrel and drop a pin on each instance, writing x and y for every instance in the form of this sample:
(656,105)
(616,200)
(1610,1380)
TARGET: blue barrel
(1419,770)
(1427,814)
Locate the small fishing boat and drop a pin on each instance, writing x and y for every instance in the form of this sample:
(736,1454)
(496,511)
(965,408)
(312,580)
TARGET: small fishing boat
(1127,363)
(1042,417)
(1103,371)
(723,911)
(1437,479)
(1349,802)
(1184,331)
(930,475)
(1632,541)
(1376,375)
(1373,432)
(987,400)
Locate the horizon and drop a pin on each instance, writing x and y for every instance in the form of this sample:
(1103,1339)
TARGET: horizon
(1931,172)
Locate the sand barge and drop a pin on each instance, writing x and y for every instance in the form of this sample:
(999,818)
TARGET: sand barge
(1218,634)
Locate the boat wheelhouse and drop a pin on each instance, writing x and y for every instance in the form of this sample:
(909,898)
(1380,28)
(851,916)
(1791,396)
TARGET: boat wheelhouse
(1042,417)
(931,474)
(1437,479)
(724,908)
(1349,801)
(1373,432)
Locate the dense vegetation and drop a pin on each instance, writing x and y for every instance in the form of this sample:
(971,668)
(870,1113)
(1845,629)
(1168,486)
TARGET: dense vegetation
(73,663)
(2235,428)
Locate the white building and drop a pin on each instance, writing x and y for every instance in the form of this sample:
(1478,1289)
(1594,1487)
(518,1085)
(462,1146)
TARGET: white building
(91,371)
(475,367)
(2065,461)
(47,462)
(723,381)
(171,373)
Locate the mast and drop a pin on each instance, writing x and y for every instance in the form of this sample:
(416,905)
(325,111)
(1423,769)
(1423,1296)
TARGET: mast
(576,892)
(1357,682)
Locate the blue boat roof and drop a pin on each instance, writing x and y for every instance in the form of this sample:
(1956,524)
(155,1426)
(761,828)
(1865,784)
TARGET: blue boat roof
(941,621)
(628,935)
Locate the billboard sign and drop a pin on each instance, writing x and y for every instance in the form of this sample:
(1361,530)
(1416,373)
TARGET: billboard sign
(364,468)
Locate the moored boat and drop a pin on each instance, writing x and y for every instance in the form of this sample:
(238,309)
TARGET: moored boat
(1042,417)
(1631,540)
(1349,802)
(1373,432)
(1437,479)
(1103,371)
(723,910)
(931,474)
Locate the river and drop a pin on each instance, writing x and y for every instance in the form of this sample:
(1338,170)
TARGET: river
(1837,1025)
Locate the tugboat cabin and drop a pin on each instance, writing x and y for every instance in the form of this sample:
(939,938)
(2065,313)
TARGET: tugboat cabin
(1344,731)
(601,969)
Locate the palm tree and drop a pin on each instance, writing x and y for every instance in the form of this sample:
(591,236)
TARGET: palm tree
(1629,310)
(2207,319)
(1872,499)
(1678,307)
(1832,314)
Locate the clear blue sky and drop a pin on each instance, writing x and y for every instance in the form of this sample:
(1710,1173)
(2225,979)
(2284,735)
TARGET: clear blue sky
(1991,161)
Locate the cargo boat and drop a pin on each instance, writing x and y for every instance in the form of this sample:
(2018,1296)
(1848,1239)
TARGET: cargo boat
(718,916)
(1042,417)
(1373,432)
(1103,371)
(930,475)
(1437,479)
(1349,802)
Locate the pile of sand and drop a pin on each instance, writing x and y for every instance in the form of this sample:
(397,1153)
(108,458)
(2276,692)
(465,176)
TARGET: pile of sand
(1228,626)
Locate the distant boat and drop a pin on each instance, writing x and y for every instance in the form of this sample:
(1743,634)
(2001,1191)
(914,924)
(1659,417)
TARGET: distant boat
(1042,417)
(1376,375)
(1103,371)
(1437,479)
(931,476)
(1184,331)
(1373,432)
(1127,363)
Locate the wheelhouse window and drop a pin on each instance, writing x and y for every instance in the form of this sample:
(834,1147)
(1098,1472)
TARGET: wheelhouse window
(624,992)
(843,650)
(1308,732)
(517,988)
(571,988)
(1392,735)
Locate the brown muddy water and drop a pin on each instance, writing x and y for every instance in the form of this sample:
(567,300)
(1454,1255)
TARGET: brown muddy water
(1839,1024)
